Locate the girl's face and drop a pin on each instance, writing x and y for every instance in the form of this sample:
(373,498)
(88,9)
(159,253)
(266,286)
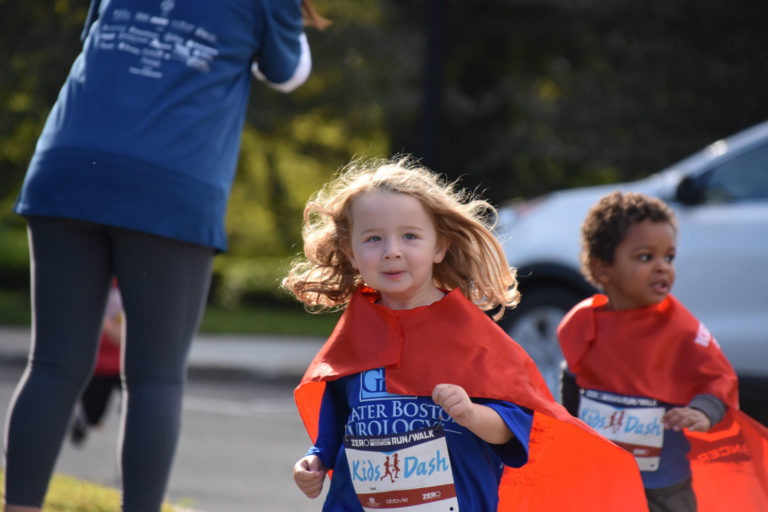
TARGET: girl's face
(643,269)
(394,245)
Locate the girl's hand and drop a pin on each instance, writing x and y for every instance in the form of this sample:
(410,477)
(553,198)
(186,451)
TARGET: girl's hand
(684,417)
(483,421)
(309,475)
(455,401)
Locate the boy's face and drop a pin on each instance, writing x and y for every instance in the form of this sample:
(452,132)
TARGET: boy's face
(394,246)
(643,269)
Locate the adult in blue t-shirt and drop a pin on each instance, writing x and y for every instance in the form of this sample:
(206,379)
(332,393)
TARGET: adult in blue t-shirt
(130,178)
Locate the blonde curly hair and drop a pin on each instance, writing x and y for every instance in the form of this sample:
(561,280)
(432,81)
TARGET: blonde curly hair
(324,278)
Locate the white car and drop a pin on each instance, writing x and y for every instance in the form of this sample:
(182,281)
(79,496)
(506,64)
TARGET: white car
(720,197)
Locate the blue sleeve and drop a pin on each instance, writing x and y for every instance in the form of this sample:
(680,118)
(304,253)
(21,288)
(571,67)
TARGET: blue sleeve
(333,417)
(514,453)
(281,45)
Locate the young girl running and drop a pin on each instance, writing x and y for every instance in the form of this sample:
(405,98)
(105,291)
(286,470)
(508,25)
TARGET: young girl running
(419,398)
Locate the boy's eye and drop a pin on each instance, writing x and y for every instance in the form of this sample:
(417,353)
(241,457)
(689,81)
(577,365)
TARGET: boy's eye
(645,257)
(669,258)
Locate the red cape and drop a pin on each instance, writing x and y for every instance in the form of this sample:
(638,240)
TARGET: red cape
(613,351)
(453,341)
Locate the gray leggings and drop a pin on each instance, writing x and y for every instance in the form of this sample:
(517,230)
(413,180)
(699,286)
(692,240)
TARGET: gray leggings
(164,285)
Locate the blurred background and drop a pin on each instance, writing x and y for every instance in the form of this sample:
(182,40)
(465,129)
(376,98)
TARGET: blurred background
(516,98)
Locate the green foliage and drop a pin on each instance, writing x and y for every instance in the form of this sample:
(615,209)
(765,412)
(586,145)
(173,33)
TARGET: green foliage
(15,307)
(14,254)
(288,320)
(516,98)
(558,94)
(38,42)
(237,277)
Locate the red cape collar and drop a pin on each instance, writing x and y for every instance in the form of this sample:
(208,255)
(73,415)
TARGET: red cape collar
(450,340)
(660,351)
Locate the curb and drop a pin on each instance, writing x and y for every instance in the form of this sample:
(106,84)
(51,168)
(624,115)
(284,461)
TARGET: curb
(262,358)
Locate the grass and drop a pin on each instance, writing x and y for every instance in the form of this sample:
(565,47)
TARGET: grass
(68,494)
(14,308)
(280,319)
(267,319)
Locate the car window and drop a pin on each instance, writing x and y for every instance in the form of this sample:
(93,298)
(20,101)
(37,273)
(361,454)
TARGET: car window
(744,178)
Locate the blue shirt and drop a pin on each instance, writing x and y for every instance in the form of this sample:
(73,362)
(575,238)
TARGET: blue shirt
(359,405)
(674,466)
(145,133)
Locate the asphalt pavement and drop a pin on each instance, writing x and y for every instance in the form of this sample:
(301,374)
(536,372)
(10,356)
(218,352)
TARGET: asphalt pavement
(218,365)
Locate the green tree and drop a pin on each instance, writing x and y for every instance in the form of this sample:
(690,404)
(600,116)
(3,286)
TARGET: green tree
(516,97)
(540,95)
(38,41)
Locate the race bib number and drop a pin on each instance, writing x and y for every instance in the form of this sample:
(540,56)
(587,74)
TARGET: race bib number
(408,472)
(634,423)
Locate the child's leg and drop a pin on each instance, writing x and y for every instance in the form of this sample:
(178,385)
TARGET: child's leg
(95,399)
(676,498)
(164,286)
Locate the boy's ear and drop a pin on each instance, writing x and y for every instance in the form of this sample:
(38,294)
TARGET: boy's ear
(600,271)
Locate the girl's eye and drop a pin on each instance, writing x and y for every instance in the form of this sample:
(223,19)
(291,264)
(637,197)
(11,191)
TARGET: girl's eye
(669,258)
(644,257)
(409,236)
(373,238)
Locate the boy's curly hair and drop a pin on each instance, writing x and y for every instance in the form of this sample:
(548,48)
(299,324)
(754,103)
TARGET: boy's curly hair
(474,262)
(609,219)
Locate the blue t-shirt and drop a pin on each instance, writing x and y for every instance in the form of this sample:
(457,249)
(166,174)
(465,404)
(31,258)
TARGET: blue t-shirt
(145,133)
(674,467)
(359,405)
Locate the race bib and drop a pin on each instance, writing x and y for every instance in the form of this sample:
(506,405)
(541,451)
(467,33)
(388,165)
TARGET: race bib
(408,472)
(634,423)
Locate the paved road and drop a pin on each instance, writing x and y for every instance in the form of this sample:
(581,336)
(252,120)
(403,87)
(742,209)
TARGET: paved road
(240,436)
(241,433)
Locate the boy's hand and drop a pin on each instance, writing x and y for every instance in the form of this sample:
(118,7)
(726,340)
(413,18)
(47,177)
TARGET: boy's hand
(309,475)
(685,417)
(455,401)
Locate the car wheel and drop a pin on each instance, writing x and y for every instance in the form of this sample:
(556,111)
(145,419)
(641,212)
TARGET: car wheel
(533,325)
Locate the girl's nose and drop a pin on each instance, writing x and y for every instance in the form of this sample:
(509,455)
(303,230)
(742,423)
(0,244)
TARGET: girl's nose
(392,250)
